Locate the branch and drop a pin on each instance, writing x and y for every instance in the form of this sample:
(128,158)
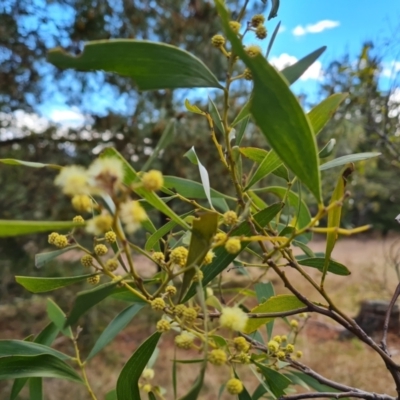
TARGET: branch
(387,318)
(331,395)
(217,314)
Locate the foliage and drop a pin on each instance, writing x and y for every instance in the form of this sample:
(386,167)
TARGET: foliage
(204,234)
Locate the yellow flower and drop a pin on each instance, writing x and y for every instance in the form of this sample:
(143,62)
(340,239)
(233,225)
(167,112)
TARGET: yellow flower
(61,241)
(289,348)
(110,237)
(189,315)
(132,214)
(100,224)
(277,339)
(261,32)
(217,357)
(82,203)
(112,265)
(299,354)
(52,237)
(233,246)
(248,75)
(147,388)
(235,26)
(220,238)
(234,386)
(179,256)
(148,373)
(153,180)
(94,280)
(273,346)
(157,304)
(253,50)
(230,218)
(100,249)
(208,258)
(294,323)
(158,257)
(217,41)
(78,219)
(106,174)
(281,355)
(184,340)
(170,290)
(87,260)
(73,180)
(257,20)
(163,326)
(241,344)
(233,318)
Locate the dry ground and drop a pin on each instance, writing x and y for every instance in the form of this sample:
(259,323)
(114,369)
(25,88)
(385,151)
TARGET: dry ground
(350,362)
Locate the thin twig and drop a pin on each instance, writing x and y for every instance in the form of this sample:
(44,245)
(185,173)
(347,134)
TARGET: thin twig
(387,318)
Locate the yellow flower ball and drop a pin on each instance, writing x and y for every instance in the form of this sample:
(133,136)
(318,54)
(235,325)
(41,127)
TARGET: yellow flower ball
(217,357)
(110,237)
(78,219)
(94,280)
(233,246)
(153,180)
(100,249)
(273,346)
(163,326)
(217,41)
(208,258)
(82,203)
(257,20)
(132,214)
(241,344)
(87,260)
(184,340)
(235,26)
(230,218)
(158,304)
(52,237)
(179,256)
(234,386)
(148,373)
(99,224)
(171,290)
(112,265)
(233,318)
(61,241)
(158,257)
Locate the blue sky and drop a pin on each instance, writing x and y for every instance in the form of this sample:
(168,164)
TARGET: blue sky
(341,25)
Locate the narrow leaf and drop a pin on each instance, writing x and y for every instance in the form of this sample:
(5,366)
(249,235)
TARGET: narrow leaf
(57,316)
(222,258)
(87,299)
(274,9)
(333,266)
(269,164)
(42,259)
(280,303)
(351,158)
(40,285)
(151,65)
(205,180)
(277,382)
(128,380)
(203,231)
(193,108)
(164,141)
(243,113)
(272,40)
(241,130)
(295,71)
(12,161)
(324,111)
(114,327)
(279,115)
(17,228)
(216,117)
(42,365)
(326,151)
(35,389)
(254,153)
(23,348)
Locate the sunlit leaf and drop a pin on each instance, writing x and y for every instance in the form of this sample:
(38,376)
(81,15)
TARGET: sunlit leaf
(151,65)
(280,303)
(10,228)
(351,158)
(272,40)
(216,117)
(12,161)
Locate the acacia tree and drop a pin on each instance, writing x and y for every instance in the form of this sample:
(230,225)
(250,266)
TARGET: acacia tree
(116,200)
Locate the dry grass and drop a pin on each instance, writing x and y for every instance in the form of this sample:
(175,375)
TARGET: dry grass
(349,362)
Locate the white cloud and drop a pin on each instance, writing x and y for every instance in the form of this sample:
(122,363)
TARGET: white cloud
(68,117)
(394,103)
(391,69)
(284,60)
(315,28)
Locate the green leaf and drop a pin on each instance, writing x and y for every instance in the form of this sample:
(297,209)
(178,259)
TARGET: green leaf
(205,180)
(306,250)
(111,395)
(164,141)
(347,159)
(295,71)
(17,228)
(12,161)
(152,396)
(160,233)
(318,262)
(23,348)
(272,40)
(114,327)
(312,382)
(277,382)
(324,111)
(40,285)
(194,391)
(280,303)
(124,294)
(269,164)
(35,389)
(303,217)
(203,231)
(46,338)
(243,113)
(254,153)
(193,108)
(57,316)
(42,365)
(222,258)
(151,65)
(89,298)
(278,113)
(43,258)
(216,117)
(265,291)
(241,130)
(326,151)
(131,176)
(128,380)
